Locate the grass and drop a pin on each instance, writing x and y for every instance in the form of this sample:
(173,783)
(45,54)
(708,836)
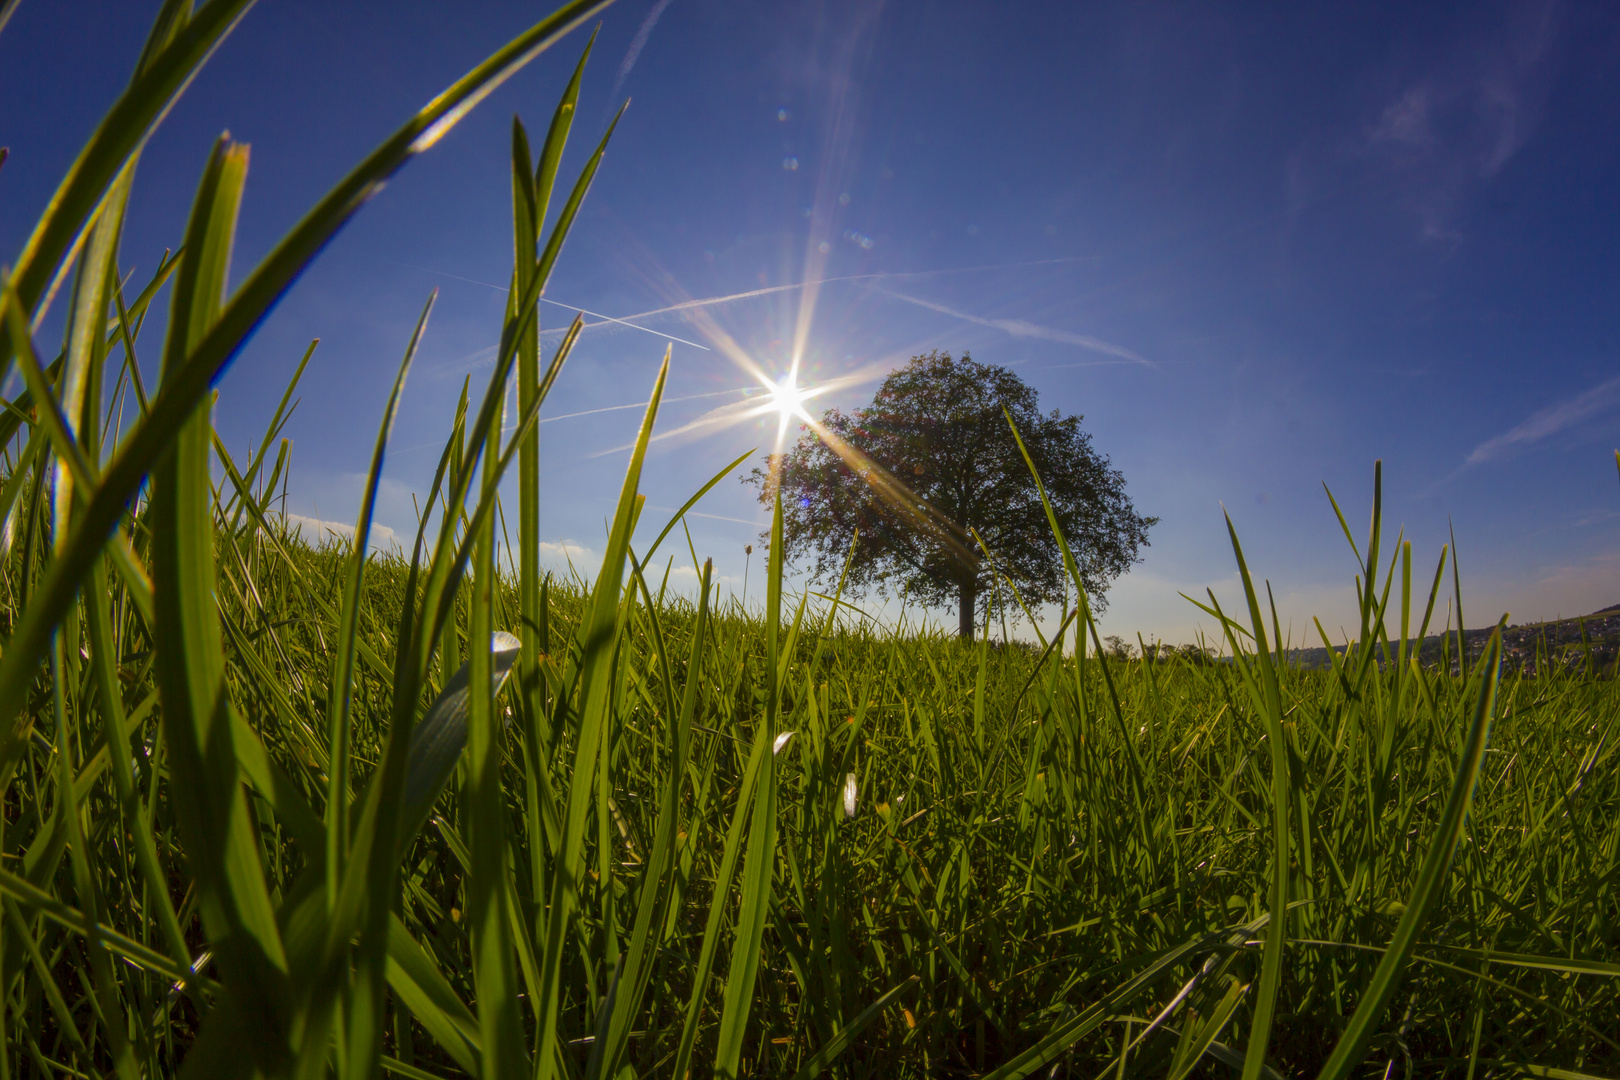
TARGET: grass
(275,809)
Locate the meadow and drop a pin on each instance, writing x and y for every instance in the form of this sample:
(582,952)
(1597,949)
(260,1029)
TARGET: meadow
(291,809)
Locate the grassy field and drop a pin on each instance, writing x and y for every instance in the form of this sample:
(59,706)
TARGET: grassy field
(288,811)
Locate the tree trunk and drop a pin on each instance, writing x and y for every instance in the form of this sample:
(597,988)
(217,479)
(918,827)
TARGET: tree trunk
(968,593)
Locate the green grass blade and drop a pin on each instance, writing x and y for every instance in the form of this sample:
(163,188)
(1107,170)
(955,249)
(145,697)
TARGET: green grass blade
(1431,881)
(851,1031)
(761,862)
(613,1033)
(163,76)
(1269,705)
(680,514)
(597,632)
(210,808)
(500,1021)
(719,902)
(340,702)
(186,384)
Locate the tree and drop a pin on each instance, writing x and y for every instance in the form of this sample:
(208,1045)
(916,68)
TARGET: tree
(929,469)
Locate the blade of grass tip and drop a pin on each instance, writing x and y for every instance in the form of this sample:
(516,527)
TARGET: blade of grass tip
(693,501)
(1083,606)
(1431,880)
(1271,962)
(364,902)
(488,921)
(364,1007)
(1371,562)
(761,861)
(382,807)
(340,704)
(562,121)
(208,357)
(597,632)
(1456,581)
(163,76)
(210,808)
(565,217)
(277,419)
(1345,527)
(87,330)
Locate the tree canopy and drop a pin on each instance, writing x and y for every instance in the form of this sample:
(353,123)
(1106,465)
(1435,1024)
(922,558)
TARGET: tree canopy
(929,469)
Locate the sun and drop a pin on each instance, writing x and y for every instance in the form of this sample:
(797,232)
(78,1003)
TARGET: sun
(787,397)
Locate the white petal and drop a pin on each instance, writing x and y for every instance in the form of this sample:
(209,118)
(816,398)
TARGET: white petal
(781,741)
(500,641)
(851,792)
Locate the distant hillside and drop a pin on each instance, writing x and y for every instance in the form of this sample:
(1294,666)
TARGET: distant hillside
(1561,641)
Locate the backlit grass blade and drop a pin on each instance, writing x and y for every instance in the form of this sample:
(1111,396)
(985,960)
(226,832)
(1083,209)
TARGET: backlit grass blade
(1431,881)
(487,918)
(186,382)
(1268,703)
(761,862)
(439,737)
(594,640)
(210,807)
(175,53)
(719,902)
(653,903)
(340,700)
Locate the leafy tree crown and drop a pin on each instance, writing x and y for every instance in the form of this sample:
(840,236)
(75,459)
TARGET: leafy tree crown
(930,469)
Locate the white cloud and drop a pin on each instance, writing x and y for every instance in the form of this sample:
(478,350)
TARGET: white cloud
(1456,125)
(566,553)
(1549,421)
(317,531)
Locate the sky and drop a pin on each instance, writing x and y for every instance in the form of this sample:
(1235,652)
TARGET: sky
(1256,246)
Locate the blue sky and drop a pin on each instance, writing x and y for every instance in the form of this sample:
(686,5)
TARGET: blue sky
(1257,246)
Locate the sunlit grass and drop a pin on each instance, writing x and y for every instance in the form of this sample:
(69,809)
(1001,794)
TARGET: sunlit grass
(281,809)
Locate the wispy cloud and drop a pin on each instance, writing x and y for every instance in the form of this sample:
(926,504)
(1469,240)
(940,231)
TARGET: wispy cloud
(1021,328)
(1456,125)
(1549,421)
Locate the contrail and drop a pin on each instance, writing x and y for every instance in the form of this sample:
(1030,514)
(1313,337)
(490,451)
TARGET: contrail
(621,322)
(769,289)
(643,404)
(570,307)
(638,43)
(1022,329)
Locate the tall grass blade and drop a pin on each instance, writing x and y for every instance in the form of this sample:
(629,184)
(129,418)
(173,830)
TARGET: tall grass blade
(1431,880)
(595,640)
(210,808)
(756,889)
